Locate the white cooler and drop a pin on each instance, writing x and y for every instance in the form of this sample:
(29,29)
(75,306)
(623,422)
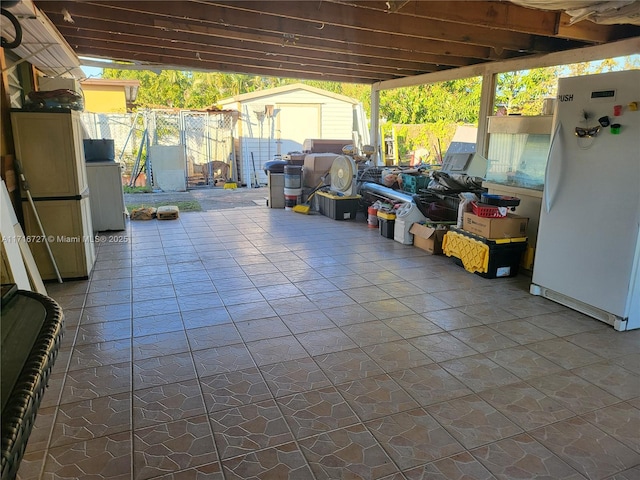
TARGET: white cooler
(406,215)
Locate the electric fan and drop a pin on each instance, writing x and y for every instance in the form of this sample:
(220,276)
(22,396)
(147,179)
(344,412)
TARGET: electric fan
(343,176)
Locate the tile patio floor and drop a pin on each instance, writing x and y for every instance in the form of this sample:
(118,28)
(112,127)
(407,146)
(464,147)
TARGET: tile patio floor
(255,343)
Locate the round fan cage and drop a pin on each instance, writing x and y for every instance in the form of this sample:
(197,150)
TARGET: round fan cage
(342,172)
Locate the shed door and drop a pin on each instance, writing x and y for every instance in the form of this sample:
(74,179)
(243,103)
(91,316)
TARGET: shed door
(296,123)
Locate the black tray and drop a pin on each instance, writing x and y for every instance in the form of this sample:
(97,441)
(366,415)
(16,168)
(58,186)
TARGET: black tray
(500,200)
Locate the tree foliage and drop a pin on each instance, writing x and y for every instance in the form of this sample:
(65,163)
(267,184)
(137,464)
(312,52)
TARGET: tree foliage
(455,101)
(523,92)
(190,90)
(438,107)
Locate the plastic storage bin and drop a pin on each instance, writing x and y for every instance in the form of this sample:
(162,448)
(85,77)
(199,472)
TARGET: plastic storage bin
(488,211)
(484,257)
(413,183)
(338,207)
(386,223)
(387,227)
(99,150)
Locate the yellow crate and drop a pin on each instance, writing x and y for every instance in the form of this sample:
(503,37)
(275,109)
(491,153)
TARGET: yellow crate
(474,254)
(489,258)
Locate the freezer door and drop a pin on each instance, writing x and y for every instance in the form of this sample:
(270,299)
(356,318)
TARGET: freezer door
(590,216)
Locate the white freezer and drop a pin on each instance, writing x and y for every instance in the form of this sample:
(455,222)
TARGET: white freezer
(108,211)
(588,247)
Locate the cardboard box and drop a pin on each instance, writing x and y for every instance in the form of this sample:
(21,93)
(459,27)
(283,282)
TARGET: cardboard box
(428,238)
(316,165)
(324,145)
(511,226)
(295,158)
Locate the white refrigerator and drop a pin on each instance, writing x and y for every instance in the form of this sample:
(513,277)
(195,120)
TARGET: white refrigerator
(588,250)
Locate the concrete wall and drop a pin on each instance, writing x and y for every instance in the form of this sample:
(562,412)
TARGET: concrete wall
(104,99)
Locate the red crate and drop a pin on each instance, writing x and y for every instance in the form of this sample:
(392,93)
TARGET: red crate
(487,211)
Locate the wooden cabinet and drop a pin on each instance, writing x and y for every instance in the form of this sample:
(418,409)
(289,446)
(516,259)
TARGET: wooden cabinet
(67,224)
(49,146)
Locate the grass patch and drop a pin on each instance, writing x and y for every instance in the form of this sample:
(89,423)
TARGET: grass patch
(185,206)
(128,189)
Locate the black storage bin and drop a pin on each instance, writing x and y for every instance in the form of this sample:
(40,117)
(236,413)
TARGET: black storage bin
(505,254)
(338,207)
(387,227)
(99,150)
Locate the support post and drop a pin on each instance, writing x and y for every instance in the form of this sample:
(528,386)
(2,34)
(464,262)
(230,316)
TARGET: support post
(487,99)
(374,132)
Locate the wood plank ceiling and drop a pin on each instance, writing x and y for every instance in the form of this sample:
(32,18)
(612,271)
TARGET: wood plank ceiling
(334,40)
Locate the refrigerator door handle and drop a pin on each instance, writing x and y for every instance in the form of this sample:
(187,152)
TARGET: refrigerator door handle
(548,196)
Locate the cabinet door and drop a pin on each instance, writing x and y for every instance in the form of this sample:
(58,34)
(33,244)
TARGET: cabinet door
(49,146)
(67,224)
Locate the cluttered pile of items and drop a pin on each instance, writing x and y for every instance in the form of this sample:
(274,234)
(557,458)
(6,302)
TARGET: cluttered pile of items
(442,211)
(479,231)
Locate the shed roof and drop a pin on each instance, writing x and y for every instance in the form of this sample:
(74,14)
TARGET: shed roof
(251,96)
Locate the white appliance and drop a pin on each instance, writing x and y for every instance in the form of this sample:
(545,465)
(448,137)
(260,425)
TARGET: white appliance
(588,249)
(106,197)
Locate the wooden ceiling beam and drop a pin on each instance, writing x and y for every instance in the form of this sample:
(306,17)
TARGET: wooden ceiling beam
(199,57)
(161,61)
(374,22)
(143,45)
(408,52)
(593,32)
(204,36)
(506,16)
(495,15)
(375,39)
(237,23)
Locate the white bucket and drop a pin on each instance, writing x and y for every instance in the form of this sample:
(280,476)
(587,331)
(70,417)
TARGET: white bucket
(292,197)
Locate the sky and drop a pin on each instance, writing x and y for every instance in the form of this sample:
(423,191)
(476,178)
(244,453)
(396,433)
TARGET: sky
(92,72)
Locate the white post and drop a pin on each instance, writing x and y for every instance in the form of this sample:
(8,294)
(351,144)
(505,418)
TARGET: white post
(487,98)
(374,132)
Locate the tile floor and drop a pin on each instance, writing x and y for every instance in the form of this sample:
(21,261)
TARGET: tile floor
(262,344)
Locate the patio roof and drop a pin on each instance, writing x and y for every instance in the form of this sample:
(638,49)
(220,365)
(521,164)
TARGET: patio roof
(335,40)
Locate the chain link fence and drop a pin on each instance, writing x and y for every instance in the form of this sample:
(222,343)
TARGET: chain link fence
(207,139)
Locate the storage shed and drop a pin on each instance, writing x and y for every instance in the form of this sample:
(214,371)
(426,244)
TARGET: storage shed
(277,121)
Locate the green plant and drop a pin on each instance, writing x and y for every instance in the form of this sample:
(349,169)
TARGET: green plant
(128,189)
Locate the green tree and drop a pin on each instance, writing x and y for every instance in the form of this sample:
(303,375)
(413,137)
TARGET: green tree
(524,91)
(164,89)
(456,101)
(443,103)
